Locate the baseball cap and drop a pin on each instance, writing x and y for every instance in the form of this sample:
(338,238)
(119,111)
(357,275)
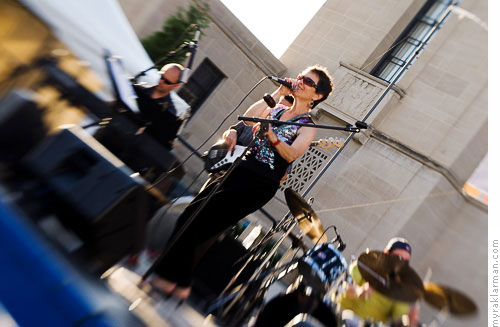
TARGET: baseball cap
(398,243)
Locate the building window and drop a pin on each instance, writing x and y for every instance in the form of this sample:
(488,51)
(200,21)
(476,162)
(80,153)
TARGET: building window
(201,84)
(411,38)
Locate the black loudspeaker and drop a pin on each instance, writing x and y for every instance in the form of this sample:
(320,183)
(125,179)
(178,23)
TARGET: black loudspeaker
(21,125)
(99,200)
(218,266)
(140,151)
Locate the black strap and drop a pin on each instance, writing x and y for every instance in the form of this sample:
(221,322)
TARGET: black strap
(293,119)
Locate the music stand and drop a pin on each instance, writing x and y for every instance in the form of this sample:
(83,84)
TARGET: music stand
(124,92)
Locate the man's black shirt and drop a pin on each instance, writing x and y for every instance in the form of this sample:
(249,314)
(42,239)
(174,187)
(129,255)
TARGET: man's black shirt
(163,123)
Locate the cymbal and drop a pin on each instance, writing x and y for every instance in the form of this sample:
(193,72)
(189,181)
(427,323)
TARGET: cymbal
(391,276)
(307,219)
(435,296)
(440,296)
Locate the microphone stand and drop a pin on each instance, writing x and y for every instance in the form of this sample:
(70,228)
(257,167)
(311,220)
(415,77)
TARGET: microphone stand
(186,45)
(195,214)
(161,61)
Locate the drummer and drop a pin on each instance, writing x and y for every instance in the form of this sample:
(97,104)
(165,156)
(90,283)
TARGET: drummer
(368,304)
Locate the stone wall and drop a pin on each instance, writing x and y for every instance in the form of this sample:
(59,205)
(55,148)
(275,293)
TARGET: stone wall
(402,176)
(234,50)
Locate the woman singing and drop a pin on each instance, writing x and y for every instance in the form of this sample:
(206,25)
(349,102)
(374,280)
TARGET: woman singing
(251,185)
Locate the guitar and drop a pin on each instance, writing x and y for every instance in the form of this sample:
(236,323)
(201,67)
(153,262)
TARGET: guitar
(329,143)
(218,158)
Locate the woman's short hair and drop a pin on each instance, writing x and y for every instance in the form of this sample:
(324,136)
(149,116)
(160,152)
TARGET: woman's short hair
(325,83)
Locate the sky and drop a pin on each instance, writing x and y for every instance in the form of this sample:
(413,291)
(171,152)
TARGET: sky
(276,23)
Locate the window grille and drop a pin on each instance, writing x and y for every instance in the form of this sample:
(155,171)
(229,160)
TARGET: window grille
(305,169)
(411,38)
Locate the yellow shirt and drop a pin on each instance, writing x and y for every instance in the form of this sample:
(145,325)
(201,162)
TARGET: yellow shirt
(376,307)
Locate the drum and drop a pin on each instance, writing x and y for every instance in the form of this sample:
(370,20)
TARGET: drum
(284,309)
(323,267)
(304,320)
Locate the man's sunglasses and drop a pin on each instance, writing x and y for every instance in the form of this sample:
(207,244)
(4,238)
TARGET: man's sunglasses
(307,81)
(167,81)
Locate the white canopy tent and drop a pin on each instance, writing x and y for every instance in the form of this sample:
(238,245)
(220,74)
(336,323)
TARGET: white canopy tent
(89,28)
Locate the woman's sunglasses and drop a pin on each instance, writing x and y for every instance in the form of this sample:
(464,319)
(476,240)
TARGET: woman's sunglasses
(307,81)
(167,81)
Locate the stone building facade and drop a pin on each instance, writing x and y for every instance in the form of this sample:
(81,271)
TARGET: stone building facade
(404,175)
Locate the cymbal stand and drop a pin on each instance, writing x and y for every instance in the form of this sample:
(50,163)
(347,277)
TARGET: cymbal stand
(288,252)
(283,224)
(268,274)
(288,222)
(252,253)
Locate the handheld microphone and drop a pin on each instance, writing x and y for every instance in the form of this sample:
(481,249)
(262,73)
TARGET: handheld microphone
(192,51)
(281,81)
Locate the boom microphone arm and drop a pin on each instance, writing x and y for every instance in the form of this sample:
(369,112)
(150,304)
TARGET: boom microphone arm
(348,128)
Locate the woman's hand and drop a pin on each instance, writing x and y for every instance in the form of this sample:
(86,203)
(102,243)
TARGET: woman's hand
(230,137)
(271,137)
(256,128)
(283,90)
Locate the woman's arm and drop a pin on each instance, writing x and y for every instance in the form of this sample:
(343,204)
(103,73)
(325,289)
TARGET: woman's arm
(305,136)
(260,108)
